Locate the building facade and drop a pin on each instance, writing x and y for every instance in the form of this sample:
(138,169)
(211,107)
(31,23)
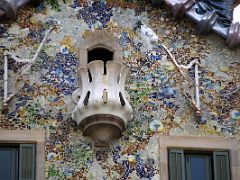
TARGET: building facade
(118,90)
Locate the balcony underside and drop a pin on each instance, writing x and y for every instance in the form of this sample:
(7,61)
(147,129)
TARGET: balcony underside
(103,128)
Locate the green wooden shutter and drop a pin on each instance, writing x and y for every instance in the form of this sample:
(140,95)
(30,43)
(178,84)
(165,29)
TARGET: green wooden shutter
(221,166)
(27,162)
(176,165)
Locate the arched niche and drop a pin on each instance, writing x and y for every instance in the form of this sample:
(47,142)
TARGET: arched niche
(100,42)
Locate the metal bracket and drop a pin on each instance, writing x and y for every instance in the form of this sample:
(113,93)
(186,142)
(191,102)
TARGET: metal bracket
(30,62)
(195,98)
(5,96)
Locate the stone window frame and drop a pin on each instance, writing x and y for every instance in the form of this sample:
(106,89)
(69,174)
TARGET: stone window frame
(99,39)
(36,137)
(199,143)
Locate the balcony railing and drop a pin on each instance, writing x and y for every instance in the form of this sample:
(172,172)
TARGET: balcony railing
(102,108)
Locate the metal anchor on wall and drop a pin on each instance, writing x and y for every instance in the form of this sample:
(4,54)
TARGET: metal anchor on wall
(31,62)
(194,98)
(7,55)
(190,84)
(191,91)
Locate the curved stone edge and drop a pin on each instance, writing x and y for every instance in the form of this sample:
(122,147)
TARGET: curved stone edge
(102,128)
(205,21)
(102,119)
(9,8)
(233,39)
(80,115)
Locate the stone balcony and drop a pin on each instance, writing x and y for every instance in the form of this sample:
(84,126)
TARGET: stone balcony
(102,108)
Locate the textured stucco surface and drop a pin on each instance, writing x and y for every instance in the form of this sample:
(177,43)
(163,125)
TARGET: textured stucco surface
(154,86)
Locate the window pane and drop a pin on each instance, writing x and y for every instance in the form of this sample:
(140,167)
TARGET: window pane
(5,164)
(197,168)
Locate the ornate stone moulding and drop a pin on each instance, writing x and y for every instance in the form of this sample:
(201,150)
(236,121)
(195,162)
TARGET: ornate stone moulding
(102,108)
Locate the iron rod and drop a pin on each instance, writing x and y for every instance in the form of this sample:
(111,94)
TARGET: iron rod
(197,97)
(5,78)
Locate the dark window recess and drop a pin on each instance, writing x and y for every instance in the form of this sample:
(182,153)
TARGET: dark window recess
(100,54)
(17,161)
(198,165)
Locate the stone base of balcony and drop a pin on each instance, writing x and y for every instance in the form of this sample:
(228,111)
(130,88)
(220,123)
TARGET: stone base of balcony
(102,128)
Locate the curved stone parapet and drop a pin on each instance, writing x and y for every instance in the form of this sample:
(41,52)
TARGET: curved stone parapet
(180,8)
(206,23)
(102,108)
(233,39)
(209,20)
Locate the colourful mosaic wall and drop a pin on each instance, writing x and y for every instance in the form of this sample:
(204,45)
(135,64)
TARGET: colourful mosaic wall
(155,86)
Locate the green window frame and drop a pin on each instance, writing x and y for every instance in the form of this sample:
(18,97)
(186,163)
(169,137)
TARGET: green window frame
(221,166)
(176,164)
(23,160)
(216,164)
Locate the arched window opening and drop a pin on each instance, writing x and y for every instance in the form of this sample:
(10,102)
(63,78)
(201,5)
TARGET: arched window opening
(100,54)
